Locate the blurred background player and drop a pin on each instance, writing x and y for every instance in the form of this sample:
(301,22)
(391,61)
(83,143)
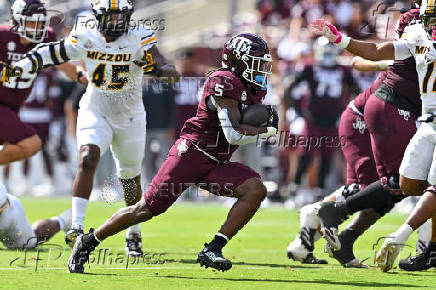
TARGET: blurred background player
(330,87)
(158,98)
(15,230)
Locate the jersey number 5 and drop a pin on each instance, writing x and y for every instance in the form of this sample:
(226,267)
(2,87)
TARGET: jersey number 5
(117,82)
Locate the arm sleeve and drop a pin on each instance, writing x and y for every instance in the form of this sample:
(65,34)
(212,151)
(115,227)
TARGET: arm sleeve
(236,138)
(48,54)
(402,50)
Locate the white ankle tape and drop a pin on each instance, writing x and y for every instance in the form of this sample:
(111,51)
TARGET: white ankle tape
(222,235)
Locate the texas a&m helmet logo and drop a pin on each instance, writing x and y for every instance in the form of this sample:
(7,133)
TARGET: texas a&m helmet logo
(241,46)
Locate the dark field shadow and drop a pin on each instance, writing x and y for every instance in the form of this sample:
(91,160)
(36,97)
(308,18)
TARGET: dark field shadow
(320,281)
(270,265)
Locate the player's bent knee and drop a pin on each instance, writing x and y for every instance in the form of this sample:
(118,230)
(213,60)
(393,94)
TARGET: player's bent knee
(89,157)
(253,188)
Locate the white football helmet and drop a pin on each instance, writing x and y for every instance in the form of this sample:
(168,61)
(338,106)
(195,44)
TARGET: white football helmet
(113,16)
(427,13)
(30,21)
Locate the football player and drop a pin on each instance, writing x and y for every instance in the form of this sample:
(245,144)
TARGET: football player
(328,83)
(116,55)
(15,230)
(201,155)
(30,28)
(417,164)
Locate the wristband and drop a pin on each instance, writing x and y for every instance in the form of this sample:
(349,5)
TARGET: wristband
(383,64)
(343,41)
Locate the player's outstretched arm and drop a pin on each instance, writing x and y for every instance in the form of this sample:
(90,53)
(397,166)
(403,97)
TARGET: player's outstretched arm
(161,67)
(365,65)
(367,50)
(50,54)
(235,132)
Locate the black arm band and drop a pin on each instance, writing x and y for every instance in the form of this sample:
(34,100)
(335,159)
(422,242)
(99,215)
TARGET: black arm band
(62,51)
(54,58)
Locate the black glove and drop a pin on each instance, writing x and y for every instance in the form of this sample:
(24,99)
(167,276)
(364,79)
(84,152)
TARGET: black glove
(147,65)
(9,71)
(273,119)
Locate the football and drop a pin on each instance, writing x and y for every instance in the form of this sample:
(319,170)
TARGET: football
(256,115)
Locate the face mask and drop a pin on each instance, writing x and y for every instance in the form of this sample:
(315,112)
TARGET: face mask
(261,80)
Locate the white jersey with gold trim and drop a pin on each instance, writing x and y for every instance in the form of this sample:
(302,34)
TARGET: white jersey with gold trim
(415,43)
(115,82)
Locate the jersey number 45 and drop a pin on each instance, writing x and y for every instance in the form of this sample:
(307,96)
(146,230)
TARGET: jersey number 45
(117,81)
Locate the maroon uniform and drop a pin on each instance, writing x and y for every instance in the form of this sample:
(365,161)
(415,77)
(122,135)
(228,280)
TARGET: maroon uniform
(15,93)
(356,141)
(327,100)
(390,113)
(201,155)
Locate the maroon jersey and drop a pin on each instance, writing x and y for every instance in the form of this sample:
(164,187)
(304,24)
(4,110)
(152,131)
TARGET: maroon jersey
(360,100)
(402,76)
(329,94)
(204,129)
(14,93)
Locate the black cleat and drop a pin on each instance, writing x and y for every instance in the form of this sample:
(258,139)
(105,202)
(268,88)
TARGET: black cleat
(311,259)
(345,255)
(301,249)
(331,215)
(421,262)
(80,253)
(214,259)
(134,246)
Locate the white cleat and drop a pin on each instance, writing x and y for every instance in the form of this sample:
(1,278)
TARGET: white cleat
(387,254)
(331,235)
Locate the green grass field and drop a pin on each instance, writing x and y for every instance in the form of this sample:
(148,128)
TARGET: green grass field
(172,242)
